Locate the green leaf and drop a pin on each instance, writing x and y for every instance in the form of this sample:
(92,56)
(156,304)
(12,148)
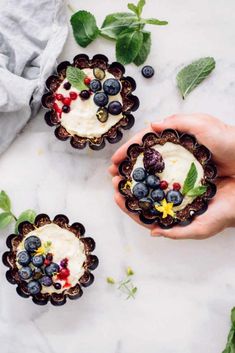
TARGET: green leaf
(154,21)
(192,75)
(144,50)
(76,77)
(5,202)
(133,8)
(198,191)
(140,6)
(116,23)
(28,215)
(5,219)
(128,46)
(190,179)
(84,27)
(233,316)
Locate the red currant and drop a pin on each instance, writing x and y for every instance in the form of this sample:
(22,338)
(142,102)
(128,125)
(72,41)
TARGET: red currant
(87,81)
(63,274)
(73,95)
(163,184)
(56,107)
(47,262)
(66,101)
(59,96)
(176,186)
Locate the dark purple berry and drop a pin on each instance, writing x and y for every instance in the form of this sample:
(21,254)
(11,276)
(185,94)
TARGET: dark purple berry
(140,190)
(158,195)
(85,94)
(32,243)
(57,285)
(67,85)
(153,161)
(115,108)
(95,85)
(153,181)
(34,287)
(46,281)
(175,197)
(25,272)
(111,86)
(139,174)
(23,258)
(147,71)
(101,99)
(65,109)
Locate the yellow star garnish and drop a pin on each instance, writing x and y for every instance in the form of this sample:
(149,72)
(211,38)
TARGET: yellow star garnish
(40,250)
(166,209)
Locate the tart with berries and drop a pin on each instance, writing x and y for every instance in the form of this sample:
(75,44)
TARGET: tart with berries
(168,178)
(90,101)
(50,260)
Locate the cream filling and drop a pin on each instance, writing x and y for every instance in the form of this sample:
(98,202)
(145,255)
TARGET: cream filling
(64,244)
(177,164)
(81,119)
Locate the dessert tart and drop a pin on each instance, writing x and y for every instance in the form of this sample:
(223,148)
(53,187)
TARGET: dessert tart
(90,101)
(50,260)
(168,178)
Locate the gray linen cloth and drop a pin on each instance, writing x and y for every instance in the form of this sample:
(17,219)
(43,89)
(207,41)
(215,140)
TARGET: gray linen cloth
(32,35)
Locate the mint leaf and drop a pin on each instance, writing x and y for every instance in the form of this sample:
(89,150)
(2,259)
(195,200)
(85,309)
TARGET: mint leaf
(28,215)
(233,316)
(133,8)
(75,76)
(154,21)
(5,219)
(192,75)
(190,179)
(230,346)
(5,202)
(116,23)
(140,6)
(128,46)
(84,27)
(198,191)
(144,50)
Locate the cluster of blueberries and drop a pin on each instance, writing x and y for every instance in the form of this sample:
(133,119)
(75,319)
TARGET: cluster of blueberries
(36,269)
(149,190)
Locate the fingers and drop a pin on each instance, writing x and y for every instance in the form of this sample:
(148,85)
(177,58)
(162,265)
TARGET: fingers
(113,170)
(120,154)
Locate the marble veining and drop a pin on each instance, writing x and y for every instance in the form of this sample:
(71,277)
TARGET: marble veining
(185,288)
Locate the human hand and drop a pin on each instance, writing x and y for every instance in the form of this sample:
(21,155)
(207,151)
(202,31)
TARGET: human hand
(219,138)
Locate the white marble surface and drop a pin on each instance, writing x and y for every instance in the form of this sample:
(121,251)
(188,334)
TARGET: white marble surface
(185,288)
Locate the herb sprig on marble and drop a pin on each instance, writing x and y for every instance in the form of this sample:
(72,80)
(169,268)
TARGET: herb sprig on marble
(192,75)
(126,285)
(189,183)
(230,346)
(133,43)
(7,216)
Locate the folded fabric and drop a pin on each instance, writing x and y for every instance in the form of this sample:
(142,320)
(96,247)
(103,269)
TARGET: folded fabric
(32,35)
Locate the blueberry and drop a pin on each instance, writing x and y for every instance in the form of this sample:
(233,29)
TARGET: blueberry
(34,287)
(46,281)
(23,258)
(139,174)
(140,190)
(84,94)
(67,85)
(111,86)
(57,285)
(65,109)
(52,269)
(146,203)
(95,85)
(158,195)
(37,273)
(101,99)
(153,181)
(99,73)
(102,114)
(25,272)
(153,210)
(147,71)
(32,243)
(115,108)
(38,260)
(175,197)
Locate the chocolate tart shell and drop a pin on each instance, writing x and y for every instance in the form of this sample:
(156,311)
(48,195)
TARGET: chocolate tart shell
(57,299)
(202,154)
(130,102)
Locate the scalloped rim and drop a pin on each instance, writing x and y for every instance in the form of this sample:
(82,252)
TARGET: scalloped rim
(57,299)
(201,153)
(114,134)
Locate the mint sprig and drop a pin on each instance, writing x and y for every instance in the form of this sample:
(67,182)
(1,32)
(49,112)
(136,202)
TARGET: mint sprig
(126,285)
(189,183)
(75,76)
(230,345)
(192,75)
(7,217)
(133,44)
